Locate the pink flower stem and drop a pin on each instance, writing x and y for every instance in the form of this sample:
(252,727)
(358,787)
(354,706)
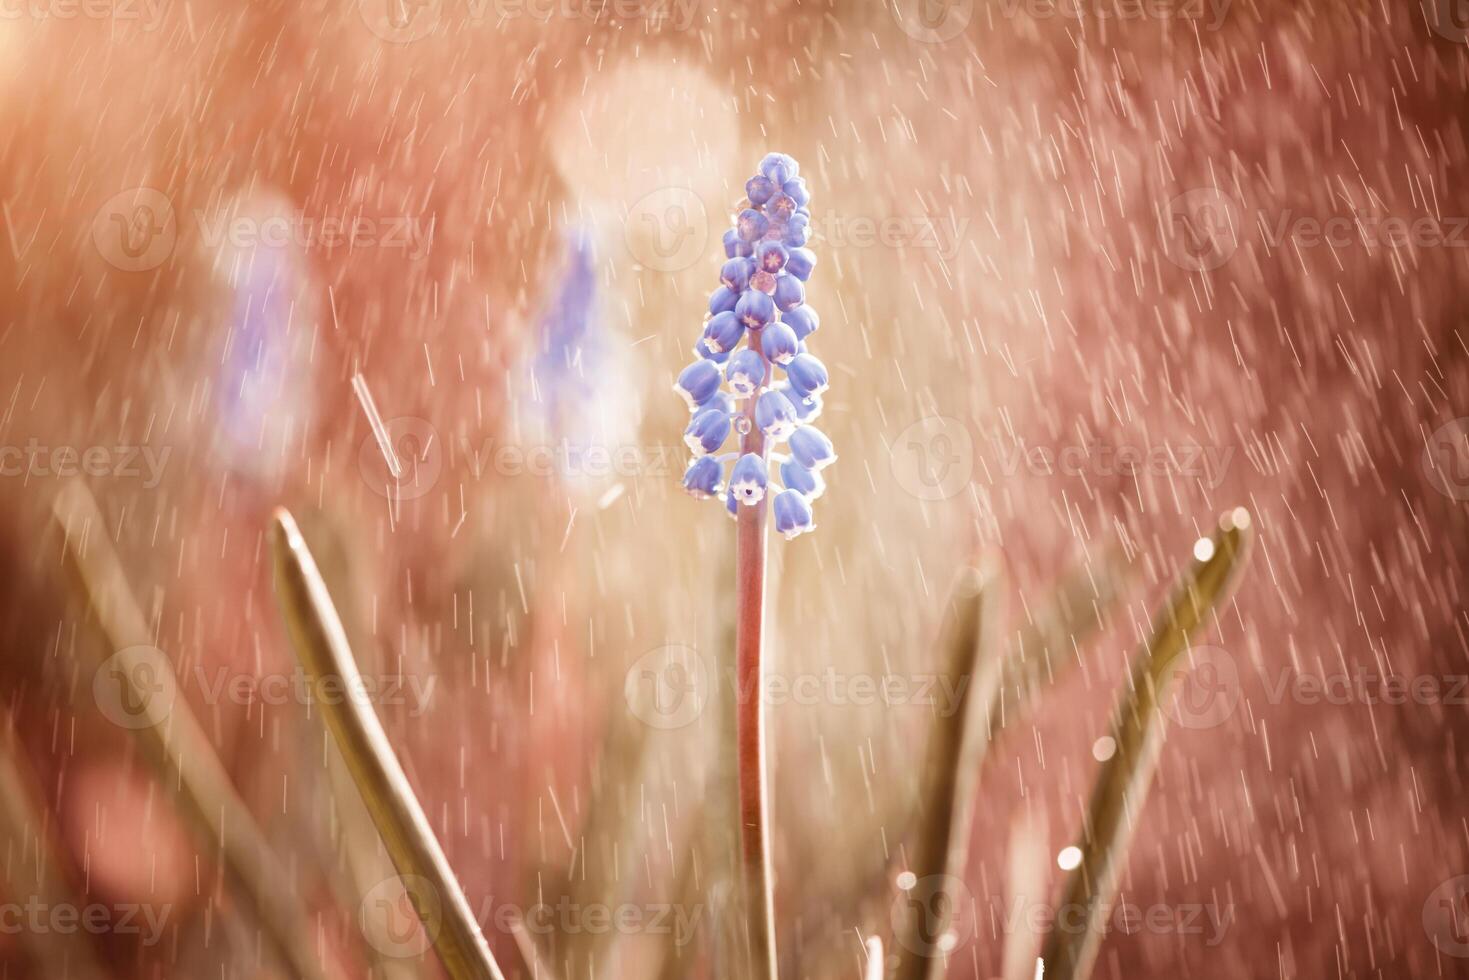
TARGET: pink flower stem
(750,549)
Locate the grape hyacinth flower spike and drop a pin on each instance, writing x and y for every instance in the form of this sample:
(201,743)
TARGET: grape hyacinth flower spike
(775,380)
(774,385)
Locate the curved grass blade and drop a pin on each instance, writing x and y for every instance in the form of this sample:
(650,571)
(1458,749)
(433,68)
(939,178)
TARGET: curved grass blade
(1046,648)
(1122,786)
(956,749)
(29,872)
(175,743)
(321,644)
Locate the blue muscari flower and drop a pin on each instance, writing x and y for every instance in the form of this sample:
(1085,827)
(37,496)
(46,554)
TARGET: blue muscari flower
(802,319)
(759,189)
(795,189)
(771,256)
(811,448)
(775,415)
(698,383)
(779,168)
(703,349)
(800,263)
(723,331)
(707,431)
(780,208)
(778,343)
(736,273)
(723,401)
(722,299)
(789,293)
(808,409)
(797,477)
(746,372)
(797,231)
(755,309)
(807,375)
(735,246)
(702,478)
(747,481)
(792,514)
(762,301)
(752,225)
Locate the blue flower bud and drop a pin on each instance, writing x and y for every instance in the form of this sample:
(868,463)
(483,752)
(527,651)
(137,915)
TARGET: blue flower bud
(703,349)
(698,382)
(792,514)
(722,299)
(723,331)
(731,504)
(780,208)
(746,372)
(759,189)
(789,293)
(752,225)
(803,320)
(795,237)
(800,263)
(702,478)
(723,401)
(811,448)
(747,480)
(732,244)
(796,190)
(779,167)
(755,309)
(807,375)
(775,415)
(778,343)
(771,256)
(707,432)
(808,409)
(736,273)
(796,477)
